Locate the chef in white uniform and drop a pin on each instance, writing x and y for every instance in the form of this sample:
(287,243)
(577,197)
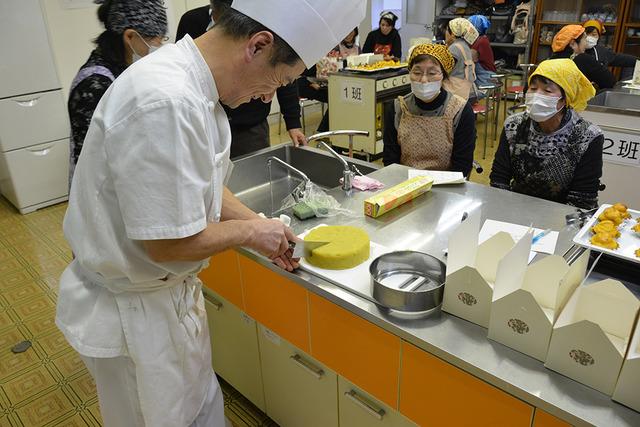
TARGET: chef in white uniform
(147,206)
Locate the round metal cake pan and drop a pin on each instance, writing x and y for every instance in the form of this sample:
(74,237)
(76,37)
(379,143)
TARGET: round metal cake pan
(408,281)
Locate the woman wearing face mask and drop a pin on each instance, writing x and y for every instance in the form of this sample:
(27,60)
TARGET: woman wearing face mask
(571,42)
(386,39)
(347,46)
(604,55)
(549,151)
(133,29)
(460,36)
(430,128)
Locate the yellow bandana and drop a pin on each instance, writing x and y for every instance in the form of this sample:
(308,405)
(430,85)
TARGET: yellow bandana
(438,51)
(564,72)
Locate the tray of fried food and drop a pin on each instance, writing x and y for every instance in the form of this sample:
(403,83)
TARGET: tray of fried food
(378,66)
(613,229)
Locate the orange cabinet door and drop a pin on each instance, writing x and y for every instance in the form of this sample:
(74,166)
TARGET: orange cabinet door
(435,393)
(275,301)
(545,419)
(358,350)
(223,277)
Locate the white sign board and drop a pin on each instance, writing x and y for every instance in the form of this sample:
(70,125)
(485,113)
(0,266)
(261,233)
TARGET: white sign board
(621,147)
(352,92)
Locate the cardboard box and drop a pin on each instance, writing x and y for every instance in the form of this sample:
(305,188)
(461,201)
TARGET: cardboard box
(395,196)
(590,338)
(527,300)
(627,390)
(471,271)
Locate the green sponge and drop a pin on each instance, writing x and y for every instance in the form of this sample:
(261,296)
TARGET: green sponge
(303,211)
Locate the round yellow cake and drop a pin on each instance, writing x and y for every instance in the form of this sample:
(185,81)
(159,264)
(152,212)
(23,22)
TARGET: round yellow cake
(348,247)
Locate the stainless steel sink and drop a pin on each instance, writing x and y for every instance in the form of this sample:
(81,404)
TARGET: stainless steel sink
(250,177)
(616,100)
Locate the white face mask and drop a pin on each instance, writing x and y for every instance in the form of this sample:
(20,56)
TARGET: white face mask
(135,56)
(541,107)
(426,91)
(591,42)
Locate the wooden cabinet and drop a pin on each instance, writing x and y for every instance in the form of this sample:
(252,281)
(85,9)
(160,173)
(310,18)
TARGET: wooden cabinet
(435,393)
(553,15)
(356,349)
(299,391)
(223,277)
(545,419)
(276,302)
(357,408)
(234,345)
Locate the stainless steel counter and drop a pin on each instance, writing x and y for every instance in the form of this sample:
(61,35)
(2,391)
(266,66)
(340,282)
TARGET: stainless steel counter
(425,225)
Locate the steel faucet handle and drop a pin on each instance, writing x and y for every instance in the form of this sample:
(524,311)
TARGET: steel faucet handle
(347,180)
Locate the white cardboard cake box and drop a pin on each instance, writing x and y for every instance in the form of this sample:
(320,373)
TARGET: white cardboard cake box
(590,338)
(527,300)
(471,271)
(627,390)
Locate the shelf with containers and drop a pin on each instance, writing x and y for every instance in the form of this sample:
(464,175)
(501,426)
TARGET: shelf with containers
(553,15)
(499,34)
(629,39)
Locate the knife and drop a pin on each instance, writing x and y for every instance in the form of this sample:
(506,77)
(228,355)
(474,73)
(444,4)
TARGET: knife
(304,248)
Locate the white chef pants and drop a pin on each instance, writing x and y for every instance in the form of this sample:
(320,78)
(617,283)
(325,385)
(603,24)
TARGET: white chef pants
(118,395)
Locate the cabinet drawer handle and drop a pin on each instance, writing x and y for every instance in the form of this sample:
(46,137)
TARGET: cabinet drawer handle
(307,366)
(377,413)
(28,102)
(215,303)
(41,152)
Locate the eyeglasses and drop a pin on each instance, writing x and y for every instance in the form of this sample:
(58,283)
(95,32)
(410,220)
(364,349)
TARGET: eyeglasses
(431,75)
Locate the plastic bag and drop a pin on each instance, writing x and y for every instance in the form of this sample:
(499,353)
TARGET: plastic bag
(322,204)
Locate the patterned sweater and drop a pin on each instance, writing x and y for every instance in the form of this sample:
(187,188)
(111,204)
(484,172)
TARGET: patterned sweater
(84,97)
(564,166)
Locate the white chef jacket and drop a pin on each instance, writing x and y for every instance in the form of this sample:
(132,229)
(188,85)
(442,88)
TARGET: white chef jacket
(151,167)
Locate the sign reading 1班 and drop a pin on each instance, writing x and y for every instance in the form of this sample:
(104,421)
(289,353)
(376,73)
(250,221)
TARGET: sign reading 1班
(352,92)
(621,148)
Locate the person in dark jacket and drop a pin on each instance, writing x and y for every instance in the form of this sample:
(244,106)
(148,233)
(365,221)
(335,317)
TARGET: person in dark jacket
(249,125)
(594,29)
(430,128)
(550,151)
(133,29)
(386,39)
(571,42)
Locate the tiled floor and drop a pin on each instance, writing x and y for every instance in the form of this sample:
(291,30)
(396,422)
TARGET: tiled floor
(48,384)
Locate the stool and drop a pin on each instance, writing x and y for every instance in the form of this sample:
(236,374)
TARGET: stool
(485,110)
(304,102)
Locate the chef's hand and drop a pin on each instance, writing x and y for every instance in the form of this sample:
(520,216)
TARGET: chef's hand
(297,137)
(270,237)
(286,262)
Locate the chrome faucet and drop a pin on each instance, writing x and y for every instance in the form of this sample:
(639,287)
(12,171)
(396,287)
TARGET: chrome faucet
(349,133)
(348,172)
(298,192)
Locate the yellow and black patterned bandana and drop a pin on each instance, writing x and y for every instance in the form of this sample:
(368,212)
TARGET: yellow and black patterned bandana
(438,51)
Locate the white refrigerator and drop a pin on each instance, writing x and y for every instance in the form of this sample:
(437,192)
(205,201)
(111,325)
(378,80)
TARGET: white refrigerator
(34,125)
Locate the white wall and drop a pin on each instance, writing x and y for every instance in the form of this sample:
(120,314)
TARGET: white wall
(71,31)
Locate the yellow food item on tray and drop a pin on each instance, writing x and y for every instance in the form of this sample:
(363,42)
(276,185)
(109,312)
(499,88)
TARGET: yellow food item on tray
(604,240)
(636,228)
(378,65)
(638,253)
(348,247)
(611,214)
(606,226)
(622,208)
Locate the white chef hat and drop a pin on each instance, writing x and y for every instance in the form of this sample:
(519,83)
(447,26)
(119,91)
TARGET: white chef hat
(311,27)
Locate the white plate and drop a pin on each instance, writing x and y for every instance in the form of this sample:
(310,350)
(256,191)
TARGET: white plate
(356,279)
(629,240)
